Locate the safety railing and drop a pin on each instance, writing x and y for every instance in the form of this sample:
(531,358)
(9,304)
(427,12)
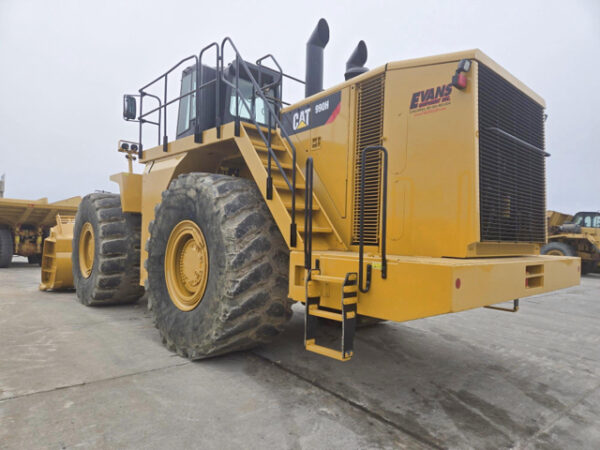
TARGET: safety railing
(272,105)
(162,106)
(273,119)
(361,213)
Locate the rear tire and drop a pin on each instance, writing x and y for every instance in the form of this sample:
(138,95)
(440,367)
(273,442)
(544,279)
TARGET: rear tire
(244,302)
(114,253)
(35,259)
(587,267)
(558,249)
(6,247)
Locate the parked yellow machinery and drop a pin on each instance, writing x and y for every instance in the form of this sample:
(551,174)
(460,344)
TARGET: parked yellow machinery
(57,270)
(406,191)
(24,224)
(577,235)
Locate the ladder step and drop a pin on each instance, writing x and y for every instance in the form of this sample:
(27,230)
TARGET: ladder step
(315,311)
(285,165)
(327,279)
(299,205)
(260,145)
(315,230)
(280,183)
(325,351)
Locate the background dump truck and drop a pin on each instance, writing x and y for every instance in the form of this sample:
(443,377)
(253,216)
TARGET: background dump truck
(24,224)
(407,191)
(577,235)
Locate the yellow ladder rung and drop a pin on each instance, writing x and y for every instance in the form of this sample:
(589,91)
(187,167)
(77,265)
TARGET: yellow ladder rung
(327,278)
(311,347)
(314,311)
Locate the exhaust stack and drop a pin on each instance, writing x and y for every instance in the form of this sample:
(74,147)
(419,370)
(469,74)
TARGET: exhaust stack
(356,63)
(314,58)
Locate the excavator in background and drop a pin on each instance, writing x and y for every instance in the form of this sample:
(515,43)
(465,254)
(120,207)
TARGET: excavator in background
(410,190)
(577,235)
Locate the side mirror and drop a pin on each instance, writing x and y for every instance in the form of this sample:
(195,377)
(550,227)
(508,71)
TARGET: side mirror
(129,107)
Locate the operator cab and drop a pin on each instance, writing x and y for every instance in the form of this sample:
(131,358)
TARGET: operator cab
(224,108)
(587,219)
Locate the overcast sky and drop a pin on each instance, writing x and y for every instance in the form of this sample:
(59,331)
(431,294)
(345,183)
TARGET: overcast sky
(64,66)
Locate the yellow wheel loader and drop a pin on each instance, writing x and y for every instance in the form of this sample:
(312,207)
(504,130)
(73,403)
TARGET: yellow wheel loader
(25,224)
(406,191)
(577,235)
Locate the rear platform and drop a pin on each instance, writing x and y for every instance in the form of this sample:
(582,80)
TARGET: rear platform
(424,286)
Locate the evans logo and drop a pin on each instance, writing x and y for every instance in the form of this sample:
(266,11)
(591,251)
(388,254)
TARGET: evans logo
(431,96)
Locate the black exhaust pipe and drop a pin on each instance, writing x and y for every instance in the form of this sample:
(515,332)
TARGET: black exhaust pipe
(314,58)
(356,62)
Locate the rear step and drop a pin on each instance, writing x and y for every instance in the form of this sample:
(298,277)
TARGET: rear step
(347,316)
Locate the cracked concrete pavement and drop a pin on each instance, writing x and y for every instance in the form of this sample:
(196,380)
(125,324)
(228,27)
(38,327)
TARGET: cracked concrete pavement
(73,376)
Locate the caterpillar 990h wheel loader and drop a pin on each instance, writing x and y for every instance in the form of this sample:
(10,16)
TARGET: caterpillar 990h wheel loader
(406,191)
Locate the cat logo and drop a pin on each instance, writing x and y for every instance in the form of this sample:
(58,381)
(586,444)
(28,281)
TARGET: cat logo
(301,119)
(315,114)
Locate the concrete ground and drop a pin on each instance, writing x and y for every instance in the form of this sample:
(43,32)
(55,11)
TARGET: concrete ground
(72,376)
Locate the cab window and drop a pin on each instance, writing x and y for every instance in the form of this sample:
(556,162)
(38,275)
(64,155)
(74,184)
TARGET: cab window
(259,105)
(187,105)
(587,220)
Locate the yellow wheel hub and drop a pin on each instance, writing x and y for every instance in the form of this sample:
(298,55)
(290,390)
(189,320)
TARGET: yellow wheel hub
(186,265)
(555,253)
(86,249)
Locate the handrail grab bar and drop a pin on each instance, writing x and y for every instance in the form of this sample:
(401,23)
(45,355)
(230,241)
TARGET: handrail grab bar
(308,211)
(361,212)
(272,114)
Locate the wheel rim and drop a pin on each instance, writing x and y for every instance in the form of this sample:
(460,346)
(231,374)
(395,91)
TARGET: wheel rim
(86,249)
(186,265)
(555,252)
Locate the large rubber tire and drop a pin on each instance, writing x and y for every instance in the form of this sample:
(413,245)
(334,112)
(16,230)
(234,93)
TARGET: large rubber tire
(245,301)
(588,266)
(6,247)
(35,259)
(558,247)
(115,273)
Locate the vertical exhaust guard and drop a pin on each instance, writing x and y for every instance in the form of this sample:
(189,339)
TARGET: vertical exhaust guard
(356,63)
(314,58)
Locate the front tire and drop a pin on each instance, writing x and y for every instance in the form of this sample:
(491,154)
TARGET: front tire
(214,239)
(106,252)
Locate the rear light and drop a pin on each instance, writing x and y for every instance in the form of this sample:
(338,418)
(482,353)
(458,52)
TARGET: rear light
(459,80)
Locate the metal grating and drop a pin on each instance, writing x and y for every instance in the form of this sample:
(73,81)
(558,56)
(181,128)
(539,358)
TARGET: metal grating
(512,174)
(369,130)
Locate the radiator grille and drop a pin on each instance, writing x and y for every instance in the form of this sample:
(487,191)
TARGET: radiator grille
(512,181)
(369,130)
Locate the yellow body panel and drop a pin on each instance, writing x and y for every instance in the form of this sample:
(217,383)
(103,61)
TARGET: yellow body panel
(130,186)
(57,270)
(419,287)
(433,197)
(15,212)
